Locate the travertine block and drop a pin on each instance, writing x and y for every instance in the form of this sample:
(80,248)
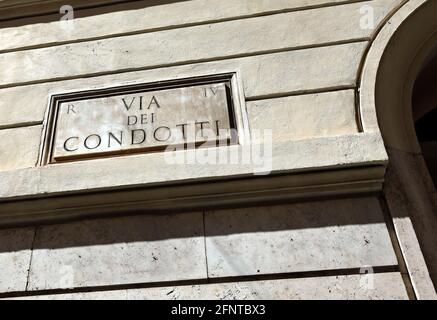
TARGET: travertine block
(148,248)
(305,116)
(15,256)
(263,75)
(19,147)
(284,31)
(146,20)
(323,235)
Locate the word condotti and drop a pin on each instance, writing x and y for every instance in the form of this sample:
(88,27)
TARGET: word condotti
(192,131)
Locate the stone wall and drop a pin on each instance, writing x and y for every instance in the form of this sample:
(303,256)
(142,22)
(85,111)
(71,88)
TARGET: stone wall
(298,63)
(319,249)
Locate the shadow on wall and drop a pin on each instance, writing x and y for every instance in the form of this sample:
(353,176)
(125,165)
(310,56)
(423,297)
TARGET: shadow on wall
(303,217)
(425,114)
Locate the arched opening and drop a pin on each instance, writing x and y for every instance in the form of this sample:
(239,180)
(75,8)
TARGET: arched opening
(424,104)
(397,95)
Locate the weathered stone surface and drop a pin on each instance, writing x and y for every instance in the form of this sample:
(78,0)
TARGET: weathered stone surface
(19,147)
(22,106)
(298,237)
(164,168)
(149,248)
(385,286)
(283,31)
(147,19)
(374,287)
(409,194)
(305,116)
(15,256)
(261,76)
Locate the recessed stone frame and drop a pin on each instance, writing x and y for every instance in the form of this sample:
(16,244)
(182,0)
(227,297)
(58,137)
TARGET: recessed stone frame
(236,117)
(389,72)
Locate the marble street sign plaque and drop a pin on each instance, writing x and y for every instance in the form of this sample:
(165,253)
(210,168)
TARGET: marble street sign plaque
(141,122)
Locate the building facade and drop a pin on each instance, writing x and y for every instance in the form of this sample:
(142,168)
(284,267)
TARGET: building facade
(218,149)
